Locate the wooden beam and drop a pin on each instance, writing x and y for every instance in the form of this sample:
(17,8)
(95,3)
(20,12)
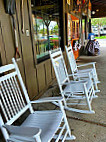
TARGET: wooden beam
(43,7)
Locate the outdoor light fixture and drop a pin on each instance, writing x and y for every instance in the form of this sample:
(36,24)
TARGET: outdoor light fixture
(32,5)
(97,10)
(93,12)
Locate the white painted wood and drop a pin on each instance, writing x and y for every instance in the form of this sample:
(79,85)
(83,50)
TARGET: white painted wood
(22,84)
(6,68)
(4,112)
(77,69)
(65,136)
(3,78)
(13,119)
(12,108)
(4,131)
(17,94)
(13,105)
(72,90)
(60,134)
(7,100)
(5,105)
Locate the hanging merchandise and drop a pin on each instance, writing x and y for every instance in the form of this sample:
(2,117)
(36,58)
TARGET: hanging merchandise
(79,5)
(83,1)
(16,38)
(78,2)
(22,16)
(3,43)
(89,9)
(9,6)
(93,47)
(68,2)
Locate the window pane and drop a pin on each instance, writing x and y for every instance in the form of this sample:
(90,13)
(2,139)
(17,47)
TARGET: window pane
(46,30)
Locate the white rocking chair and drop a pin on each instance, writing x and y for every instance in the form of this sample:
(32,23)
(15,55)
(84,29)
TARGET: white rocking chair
(77,72)
(39,126)
(73,92)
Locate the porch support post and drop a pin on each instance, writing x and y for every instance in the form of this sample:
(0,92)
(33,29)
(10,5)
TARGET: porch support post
(85,27)
(62,23)
(89,25)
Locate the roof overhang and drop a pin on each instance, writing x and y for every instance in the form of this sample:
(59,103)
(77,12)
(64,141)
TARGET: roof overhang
(99,6)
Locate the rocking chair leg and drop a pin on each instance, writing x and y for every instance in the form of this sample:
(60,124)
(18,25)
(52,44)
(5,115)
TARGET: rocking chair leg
(66,122)
(87,99)
(38,139)
(94,96)
(79,110)
(96,87)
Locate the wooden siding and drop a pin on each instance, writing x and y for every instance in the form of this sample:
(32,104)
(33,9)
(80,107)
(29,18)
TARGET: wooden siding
(37,77)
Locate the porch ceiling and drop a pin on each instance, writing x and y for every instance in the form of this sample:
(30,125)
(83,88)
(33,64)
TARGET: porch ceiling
(50,7)
(99,6)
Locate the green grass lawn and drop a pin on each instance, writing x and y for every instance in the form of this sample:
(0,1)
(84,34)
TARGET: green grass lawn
(101,37)
(55,38)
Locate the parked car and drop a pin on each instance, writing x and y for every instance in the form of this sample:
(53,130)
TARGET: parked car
(95,31)
(101,31)
(104,31)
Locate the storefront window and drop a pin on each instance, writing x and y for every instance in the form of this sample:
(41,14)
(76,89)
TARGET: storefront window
(73,28)
(46,30)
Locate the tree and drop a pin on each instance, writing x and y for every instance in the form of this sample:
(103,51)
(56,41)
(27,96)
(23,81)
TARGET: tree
(99,21)
(55,29)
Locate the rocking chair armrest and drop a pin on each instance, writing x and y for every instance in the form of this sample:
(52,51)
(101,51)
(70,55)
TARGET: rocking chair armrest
(70,75)
(76,82)
(48,99)
(84,74)
(18,138)
(91,63)
(23,133)
(80,74)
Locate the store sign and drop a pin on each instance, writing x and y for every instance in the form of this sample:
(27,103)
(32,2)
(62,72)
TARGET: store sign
(68,2)
(89,13)
(89,9)
(83,1)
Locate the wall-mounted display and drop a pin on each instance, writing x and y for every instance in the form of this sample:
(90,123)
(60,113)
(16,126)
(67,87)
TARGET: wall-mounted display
(73,33)
(68,2)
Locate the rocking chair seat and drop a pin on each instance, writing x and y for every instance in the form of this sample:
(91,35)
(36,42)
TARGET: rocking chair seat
(39,126)
(86,70)
(78,87)
(47,121)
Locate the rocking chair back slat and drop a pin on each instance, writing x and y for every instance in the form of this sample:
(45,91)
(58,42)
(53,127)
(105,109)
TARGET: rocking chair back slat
(16,97)
(6,100)
(4,111)
(89,68)
(18,91)
(12,99)
(14,102)
(9,95)
(71,58)
(59,66)
(72,91)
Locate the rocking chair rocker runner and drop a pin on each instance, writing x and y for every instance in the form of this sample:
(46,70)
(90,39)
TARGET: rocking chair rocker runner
(39,126)
(77,72)
(73,92)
